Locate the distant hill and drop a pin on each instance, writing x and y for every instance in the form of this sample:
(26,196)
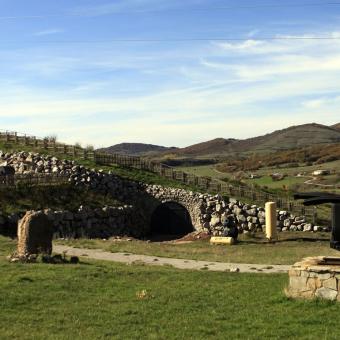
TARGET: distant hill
(336,126)
(290,138)
(211,147)
(136,149)
(294,137)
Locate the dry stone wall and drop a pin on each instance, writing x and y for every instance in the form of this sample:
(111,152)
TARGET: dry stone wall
(208,213)
(98,223)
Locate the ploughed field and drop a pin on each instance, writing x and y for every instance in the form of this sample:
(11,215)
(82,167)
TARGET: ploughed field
(98,300)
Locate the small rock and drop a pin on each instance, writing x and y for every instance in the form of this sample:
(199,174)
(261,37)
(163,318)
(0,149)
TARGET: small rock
(234,270)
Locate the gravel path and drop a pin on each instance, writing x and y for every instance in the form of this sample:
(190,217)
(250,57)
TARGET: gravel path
(98,254)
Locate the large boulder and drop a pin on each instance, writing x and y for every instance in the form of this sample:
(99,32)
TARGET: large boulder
(6,170)
(35,233)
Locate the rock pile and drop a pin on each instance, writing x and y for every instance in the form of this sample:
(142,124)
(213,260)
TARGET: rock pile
(30,163)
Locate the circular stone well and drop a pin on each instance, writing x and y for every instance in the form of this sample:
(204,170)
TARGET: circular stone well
(315,277)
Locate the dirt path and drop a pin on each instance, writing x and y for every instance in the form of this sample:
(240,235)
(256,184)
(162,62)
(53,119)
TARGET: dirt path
(98,254)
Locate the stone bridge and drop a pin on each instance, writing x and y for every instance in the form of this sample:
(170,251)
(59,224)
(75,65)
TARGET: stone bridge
(147,208)
(196,209)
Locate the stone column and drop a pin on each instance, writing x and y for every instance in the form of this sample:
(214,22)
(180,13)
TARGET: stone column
(271,221)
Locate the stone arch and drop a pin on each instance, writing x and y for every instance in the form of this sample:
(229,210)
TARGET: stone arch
(190,202)
(172,219)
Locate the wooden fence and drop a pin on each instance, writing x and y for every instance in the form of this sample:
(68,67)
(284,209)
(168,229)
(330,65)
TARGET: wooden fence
(49,145)
(206,184)
(33,180)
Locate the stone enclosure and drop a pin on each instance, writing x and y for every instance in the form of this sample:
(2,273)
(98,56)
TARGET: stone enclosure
(315,277)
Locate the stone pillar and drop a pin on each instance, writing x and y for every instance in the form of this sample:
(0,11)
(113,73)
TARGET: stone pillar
(35,233)
(271,221)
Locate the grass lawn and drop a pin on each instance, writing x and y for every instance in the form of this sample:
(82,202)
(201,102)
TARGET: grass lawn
(204,170)
(268,182)
(291,248)
(333,166)
(97,300)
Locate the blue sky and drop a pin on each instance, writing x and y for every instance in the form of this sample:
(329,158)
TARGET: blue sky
(154,71)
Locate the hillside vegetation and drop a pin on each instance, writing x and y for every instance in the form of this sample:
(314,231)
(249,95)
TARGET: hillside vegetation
(317,154)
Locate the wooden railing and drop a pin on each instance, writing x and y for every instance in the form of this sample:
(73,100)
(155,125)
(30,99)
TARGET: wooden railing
(50,146)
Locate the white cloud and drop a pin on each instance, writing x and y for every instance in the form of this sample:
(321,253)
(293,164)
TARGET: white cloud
(120,6)
(283,44)
(48,32)
(285,65)
(321,102)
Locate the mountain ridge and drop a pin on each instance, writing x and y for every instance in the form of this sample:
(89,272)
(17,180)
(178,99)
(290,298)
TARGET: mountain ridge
(293,137)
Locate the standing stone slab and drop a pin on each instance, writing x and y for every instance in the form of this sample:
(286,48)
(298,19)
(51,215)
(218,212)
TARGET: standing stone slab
(35,233)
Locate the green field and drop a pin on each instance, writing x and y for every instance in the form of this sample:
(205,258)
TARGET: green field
(267,181)
(291,182)
(204,170)
(98,300)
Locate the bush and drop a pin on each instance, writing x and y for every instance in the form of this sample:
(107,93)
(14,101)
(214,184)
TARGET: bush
(51,138)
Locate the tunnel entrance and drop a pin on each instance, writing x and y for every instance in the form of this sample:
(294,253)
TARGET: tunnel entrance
(170,221)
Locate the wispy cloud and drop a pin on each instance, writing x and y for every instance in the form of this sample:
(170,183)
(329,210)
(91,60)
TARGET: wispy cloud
(253,33)
(49,32)
(283,44)
(125,5)
(321,102)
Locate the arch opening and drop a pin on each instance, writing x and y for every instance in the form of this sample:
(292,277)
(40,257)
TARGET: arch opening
(170,221)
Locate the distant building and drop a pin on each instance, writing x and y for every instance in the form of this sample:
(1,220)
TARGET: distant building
(321,172)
